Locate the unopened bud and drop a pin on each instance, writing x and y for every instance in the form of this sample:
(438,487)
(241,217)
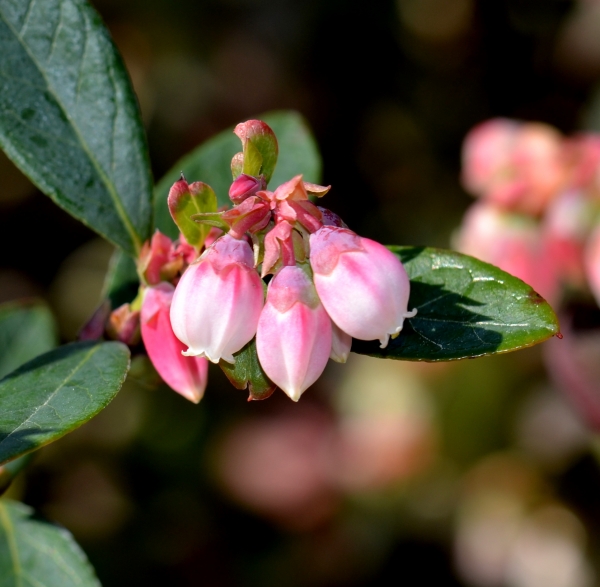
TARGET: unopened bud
(244,187)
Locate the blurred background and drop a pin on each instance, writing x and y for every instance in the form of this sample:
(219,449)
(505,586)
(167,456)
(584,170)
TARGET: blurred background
(477,473)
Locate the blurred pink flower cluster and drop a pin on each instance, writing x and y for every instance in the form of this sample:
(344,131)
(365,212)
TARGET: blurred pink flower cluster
(539,199)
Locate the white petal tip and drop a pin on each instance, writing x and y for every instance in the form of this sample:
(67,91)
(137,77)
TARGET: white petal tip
(192,396)
(411,314)
(294,395)
(384,341)
(339,359)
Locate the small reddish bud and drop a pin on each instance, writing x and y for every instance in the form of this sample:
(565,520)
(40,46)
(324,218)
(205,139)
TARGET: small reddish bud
(124,325)
(158,260)
(245,186)
(252,215)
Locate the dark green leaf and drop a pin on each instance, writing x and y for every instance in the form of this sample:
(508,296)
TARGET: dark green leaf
(466,308)
(211,162)
(57,392)
(246,372)
(35,553)
(27,329)
(69,118)
(122,282)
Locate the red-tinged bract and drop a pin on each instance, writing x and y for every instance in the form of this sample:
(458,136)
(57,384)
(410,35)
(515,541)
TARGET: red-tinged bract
(186,375)
(218,301)
(362,285)
(294,335)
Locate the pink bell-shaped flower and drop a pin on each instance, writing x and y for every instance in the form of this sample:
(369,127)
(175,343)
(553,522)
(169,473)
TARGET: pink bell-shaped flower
(186,375)
(218,301)
(294,337)
(362,285)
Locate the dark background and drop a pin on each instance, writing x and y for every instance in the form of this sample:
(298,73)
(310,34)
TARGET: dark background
(389,89)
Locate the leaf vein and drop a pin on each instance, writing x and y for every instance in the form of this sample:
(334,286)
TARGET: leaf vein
(54,555)
(52,395)
(55,34)
(440,297)
(27,15)
(110,188)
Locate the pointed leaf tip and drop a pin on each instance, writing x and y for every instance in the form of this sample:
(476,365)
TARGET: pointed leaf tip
(465,308)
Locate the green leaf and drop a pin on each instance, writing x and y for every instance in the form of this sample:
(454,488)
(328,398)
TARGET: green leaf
(35,553)
(27,329)
(246,372)
(69,118)
(121,282)
(12,469)
(465,308)
(210,163)
(57,392)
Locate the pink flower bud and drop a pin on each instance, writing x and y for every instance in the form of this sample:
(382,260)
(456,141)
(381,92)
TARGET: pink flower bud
(331,218)
(293,339)
(218,301)
(186,375)
(252,215)
(245,186)
(159,259)
(362,285)
(124,325)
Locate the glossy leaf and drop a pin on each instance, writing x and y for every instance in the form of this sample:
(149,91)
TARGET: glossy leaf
(465,308)
(27,329)
(35,553)
(210,163)
(55,393)
(69,118)
(246,373)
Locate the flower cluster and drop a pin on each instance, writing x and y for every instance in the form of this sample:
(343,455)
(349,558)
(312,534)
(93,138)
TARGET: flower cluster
(537,216)
(275,269)
(328,285)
